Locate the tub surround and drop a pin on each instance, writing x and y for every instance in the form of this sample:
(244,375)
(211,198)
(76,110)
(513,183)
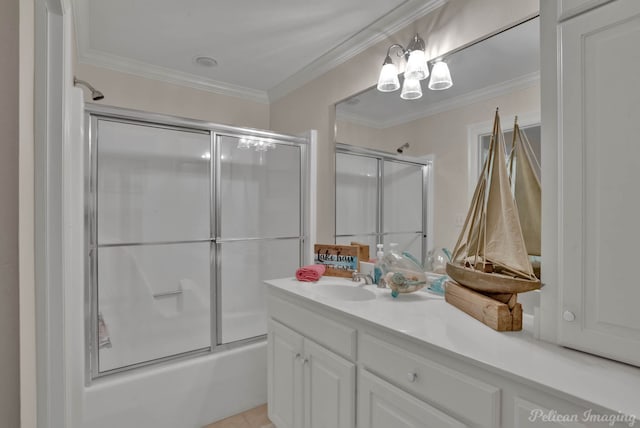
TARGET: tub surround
(425,324)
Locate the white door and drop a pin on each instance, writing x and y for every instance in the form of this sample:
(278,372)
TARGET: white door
(381,405)
(598,183)
(285,378)
(329,389)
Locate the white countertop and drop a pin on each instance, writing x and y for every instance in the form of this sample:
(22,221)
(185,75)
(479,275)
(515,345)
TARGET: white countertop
(428,318)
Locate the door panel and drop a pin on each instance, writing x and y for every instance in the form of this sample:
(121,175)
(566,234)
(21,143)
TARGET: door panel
(330,388)
(598,188)
(284,350)
(152,184)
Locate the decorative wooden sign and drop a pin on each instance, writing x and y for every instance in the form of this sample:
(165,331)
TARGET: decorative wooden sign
(339,260)
(363,254)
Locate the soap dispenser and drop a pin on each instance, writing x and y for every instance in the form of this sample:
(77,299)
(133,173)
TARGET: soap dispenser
(378,270)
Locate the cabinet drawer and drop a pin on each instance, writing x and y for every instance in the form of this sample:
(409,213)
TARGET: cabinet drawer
(333,335)
(473,400)
(382,405)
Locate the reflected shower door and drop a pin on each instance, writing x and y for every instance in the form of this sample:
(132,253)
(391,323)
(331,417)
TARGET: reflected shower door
(403,206)
(259,230)
(357,199)
(381,199)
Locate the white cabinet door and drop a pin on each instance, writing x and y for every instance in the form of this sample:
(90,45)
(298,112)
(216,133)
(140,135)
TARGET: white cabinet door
(284,373)
(382,405)
(309,386)
(598,183)
(329,388)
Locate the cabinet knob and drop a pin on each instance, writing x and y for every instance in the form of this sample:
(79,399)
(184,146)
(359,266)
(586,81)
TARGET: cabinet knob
(568,316)
(305,361)
(412,376)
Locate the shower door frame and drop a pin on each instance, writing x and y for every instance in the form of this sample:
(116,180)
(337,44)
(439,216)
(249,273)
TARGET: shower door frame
(425,162)
(93,113)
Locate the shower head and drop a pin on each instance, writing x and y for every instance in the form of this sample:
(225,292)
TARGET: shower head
(402,147)
(96,95)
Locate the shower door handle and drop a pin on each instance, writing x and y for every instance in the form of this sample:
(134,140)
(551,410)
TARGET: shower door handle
(167,294)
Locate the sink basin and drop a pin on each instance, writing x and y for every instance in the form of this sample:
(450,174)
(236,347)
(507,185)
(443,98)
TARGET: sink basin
(343,292)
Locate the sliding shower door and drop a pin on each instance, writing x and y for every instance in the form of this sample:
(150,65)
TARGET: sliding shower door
(403,212)
(152,242)
(381,199)
(185,221)
(357,200)
(259,221)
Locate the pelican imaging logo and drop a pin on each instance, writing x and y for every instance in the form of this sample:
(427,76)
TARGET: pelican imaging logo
(552,416)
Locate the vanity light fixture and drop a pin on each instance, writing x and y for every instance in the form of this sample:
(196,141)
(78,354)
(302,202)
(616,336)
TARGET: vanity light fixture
(416,62)
(388,80)
(416,69)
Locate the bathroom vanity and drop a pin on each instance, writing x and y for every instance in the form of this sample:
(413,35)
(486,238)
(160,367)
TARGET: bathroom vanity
(345,355)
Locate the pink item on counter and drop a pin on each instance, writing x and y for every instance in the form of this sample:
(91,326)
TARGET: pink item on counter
(310,273)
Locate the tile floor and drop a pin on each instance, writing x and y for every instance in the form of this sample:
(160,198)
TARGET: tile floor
(252,418)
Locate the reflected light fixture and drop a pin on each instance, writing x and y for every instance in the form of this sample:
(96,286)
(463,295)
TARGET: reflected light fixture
(416,69)
(258,144)
(440,77)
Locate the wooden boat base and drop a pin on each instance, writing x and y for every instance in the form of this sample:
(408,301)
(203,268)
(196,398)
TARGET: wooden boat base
(499,316)
(490,282)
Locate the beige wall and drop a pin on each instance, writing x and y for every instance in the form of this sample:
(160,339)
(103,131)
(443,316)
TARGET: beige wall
(312,106)
(445,135)
(135,92)
(9,327)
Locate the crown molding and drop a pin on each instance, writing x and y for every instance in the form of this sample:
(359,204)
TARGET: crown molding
(149,71)
(357,119)
(389,24)
(88,56)
(486,93)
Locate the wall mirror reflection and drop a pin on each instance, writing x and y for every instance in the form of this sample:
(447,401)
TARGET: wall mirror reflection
(450,126)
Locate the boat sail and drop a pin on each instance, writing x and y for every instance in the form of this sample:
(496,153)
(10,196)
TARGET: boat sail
(490,255)
(525,184)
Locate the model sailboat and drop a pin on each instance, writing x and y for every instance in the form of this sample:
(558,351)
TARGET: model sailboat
(490,255)
(525,184)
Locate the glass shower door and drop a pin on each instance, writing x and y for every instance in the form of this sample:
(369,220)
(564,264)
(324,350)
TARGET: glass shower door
(403,207)
(260,230)
(381,199)
(151,242)
(357,199)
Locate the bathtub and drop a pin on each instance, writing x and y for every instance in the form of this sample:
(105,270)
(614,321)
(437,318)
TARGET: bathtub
(180,394)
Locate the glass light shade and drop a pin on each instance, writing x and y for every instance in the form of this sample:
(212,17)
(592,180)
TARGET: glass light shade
(440,77)
(411,89)
(388,80)
(416,66)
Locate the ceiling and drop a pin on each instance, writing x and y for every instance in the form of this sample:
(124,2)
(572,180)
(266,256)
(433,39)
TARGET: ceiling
(502,63)
(263,49)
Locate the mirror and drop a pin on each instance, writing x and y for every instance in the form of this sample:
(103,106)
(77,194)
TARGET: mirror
(500,70)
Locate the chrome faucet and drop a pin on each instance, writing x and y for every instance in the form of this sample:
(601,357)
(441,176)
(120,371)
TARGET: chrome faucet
(357,276)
